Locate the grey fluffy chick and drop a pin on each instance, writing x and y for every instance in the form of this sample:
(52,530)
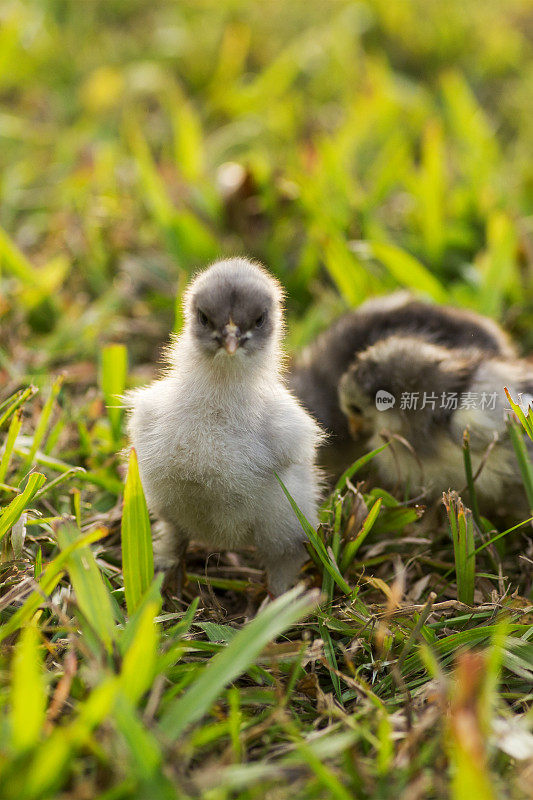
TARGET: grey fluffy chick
(455,389)
(212,432)
(315,376)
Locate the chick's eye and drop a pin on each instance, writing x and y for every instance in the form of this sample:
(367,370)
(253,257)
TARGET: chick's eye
(260,320)
(203,318)
(355,409)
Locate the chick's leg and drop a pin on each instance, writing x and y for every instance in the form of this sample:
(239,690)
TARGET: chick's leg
(170,547)
(283,567)
(280,539)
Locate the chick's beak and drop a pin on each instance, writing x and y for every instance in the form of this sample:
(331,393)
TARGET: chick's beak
(231,338)
(356,424)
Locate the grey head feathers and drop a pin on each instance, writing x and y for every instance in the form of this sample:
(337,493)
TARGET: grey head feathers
(406,366)
(234,306)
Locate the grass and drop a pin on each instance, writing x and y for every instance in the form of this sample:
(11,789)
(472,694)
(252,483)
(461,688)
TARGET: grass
(355,148)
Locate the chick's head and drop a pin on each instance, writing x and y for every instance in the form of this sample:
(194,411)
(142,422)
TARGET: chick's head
(356,404)
(234,309)
(401,385)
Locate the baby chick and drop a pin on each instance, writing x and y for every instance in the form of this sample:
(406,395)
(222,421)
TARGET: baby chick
(315,377)
(211,434)
(422,396)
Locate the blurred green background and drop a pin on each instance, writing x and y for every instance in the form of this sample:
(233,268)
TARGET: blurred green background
(353,147)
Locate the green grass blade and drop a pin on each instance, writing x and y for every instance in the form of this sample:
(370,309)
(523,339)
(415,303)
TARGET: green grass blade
(13,511)
(14,430)
(107,482)
(356,466)
(330,783)
(145,755)
(467,558)
(137,551)
(113,375)
(59,480)
(92,594)
(317,544)
(328,584)
(351,548)
(140,657)
(182,627)
(44,421)
(188,139)
(470,479)
(48,580)
(523,459)
(346,269)
(331,658)
(14,261)
(430,187)
(231,662)
(502,534)
(28,692)
(153,595)
(38,566)
(499,265)
(51,759)
(188,238)
(462,527)
(526,421)
(404,268)
(18,400)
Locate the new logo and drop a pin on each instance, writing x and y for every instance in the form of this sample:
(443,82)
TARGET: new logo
(384,400)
